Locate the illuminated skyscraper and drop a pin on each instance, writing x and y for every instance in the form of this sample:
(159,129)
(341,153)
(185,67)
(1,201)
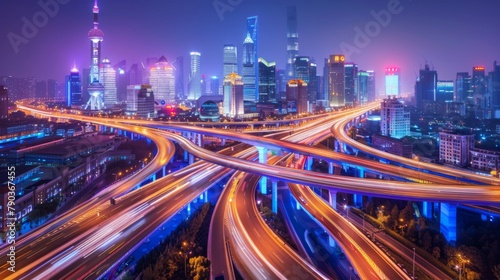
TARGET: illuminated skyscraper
(481,95)
(146,102)
(372,94)
(95,88)
(41,89)
(74,89)
(426,87)
(301,68)
(392,81)
(292,48)
(362,87)
(132,93)
(107,77)
(162,81)
(445,90)
(496,86)
(230,60)
(463,88)
(296,96)
(214,85)
(248,71)
(4,103)
(395,118)
(312,86)
(122,80)
(178,65)
(267,83)
(336,80)
(194,86)
(351,79)
(52,89)
(233,96)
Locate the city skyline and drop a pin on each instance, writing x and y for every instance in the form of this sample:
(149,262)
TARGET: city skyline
(416,42)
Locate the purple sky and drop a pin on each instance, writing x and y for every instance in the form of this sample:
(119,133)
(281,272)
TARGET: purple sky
(452,36)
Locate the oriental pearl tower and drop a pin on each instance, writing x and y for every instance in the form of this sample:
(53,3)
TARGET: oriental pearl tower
(95,88)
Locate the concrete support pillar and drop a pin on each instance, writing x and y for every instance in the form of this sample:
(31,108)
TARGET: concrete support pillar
(331,241)
(427,209)
(297,204)
(357,199)
(223,142)
(337,146)
(448,221)
(191,159)
(189,208)
(153,178)
(263,160)
(331,168)
(274,195)
(164,171)
(332,199)
(186,156)
(131,136)
(309,163)
(200,140)
(205,196)
(360,172)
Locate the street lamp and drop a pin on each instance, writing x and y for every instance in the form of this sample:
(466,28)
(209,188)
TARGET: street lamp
(413,262)
(346,208)
(258,203)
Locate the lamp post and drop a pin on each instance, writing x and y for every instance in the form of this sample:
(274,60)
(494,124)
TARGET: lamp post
(258,203)
(413,262)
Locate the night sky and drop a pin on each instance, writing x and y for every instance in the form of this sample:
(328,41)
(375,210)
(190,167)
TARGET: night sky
(452,36)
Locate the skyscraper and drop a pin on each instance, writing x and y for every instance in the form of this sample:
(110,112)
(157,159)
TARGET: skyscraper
(372,93)
(496,86)
(426,87)
(194,86)
(230,60)
(41,89)
(445,91)
(248,71)
(178,65)
(325,95)
(292,48)
(122,80)
(482,98)
(297,95)
(392,81)
(4,103)
(74,89)
(96,89)
(301,68)
(336,80)
(280,85)
(132,93)
(351,79)
(395,118)
(233,96)
(107,77)
(146,102)
(214,85)
(267,81)
(462,86)
(362,87)
(162,81)
(252,31)
(312,86)
(52,89)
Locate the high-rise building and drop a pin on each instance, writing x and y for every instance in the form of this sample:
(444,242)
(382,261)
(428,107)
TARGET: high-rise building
(481,95)
(233,96)
(4,103)
(392,81)
(132,93)
(280,85)
(248,71)
(122,80)
(52,89)
(362,87)
(297,96)
(74,89)
(267,81)
(351,78)
(41,89)
(301,68)
(326,82)
(496,86)
(162,81)
(445,91)
(194,86)
(146,102)
(336,80)
(463,87)
(230,60)
(178,65)
(312,86)
(292,48)
(426,87)
(136,75)
(95,88)
(107,77)
(214,85)
(394,118)
(372,93)
(455,147)
(204,85)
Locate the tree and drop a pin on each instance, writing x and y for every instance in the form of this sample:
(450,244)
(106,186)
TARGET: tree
(496,271)
(199,267)
(436,252)
(427,241)
(394,216)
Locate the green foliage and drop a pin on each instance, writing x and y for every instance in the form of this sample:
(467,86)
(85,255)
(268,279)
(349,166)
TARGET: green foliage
(199,267)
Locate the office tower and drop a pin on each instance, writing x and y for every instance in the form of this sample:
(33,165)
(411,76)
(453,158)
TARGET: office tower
(74,89)
(292,48)
(445,91)
(426,87)
(362,87)
(455,147)
(463,87)
(204,85)
(178,65)
(52,89)
(372,93)
(41,89)
(194,86)
(146,102)
(252,30)
(132,93)
(481,96)
(150,62)
(326,82)
(248,71)
(351,78)
(136,74)
(297,96)
(394,118)
(392,81)
(4,103)
(280,85)
(267,81)
(214,85)
(230,60)
(301,68)
(85,84)
(162,81)
(496,86)
(122,80)
(233,96)
(336,80)
(107,77)
(95,88)
(312,86)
